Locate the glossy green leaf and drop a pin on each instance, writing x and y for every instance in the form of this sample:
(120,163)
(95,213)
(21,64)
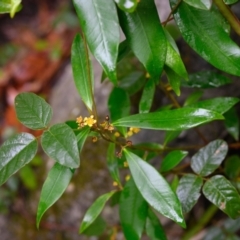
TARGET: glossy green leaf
(94,211)
(133,211)
(144,24)
(174,183)
(201,4)
(220,105)
(229,2)
(60,143)
(99,23)
(127,5)
(208,38)
(81,137)
(232,167)
(221,192)
(170,136)
(119,106)
(231,122)
(112,163)
(15,153)
(177,119)
(154,188)
(154,228)
(147,96)
(206,79)
(32,110)
(96,228)
(208,158)
(193,97)
(188,191)
(173,58)
(170,38)
(54,186)
(133,82)
(10,6)
(82,71)
(123,50)
(173,79)
(172,160)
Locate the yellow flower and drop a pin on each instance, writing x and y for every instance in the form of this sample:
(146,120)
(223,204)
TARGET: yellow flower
(129,133)
(79,120)
(117,134)
(134,129)
(115,184)
(125,164)
(89,121)
(127,177)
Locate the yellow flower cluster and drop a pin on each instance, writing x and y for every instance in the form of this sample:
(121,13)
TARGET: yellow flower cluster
(87,121)
(132,130)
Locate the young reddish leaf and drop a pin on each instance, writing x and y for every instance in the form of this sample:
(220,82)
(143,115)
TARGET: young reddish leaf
(54,186)
(188,191)
(15,153)
(173,120)
(32,110)
(144,24)
(172,160)
(207,37)
(93,212)
(99,23)
(208,158)
(60,143)
(82,71)
(132,211)
(154,188)
(147,97)
(154,228)
(222,193)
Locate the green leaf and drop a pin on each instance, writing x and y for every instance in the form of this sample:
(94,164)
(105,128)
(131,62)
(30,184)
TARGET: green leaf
(133,82)
(81,137)
(208,158)
(154,228)
(172,160)
(94,211)
(232,167)
(221,192)
(132,211)
(10,6)
(112,163)
(96,228)
(173,58)
(177,119)
(154,188)
(170,136)
(208,38)
(232,123)
(229,2)
(127,5)
(54,186)
(32,110)
(147,96)
(206,79)
(119,106)
(144,24)
(28,177)
(15,153)
(173,79)
(123,50)
(201,4)
(99,23)
(220,105)
(60,143)
(193,97)
(188,191)
(174,183)
(82,71)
